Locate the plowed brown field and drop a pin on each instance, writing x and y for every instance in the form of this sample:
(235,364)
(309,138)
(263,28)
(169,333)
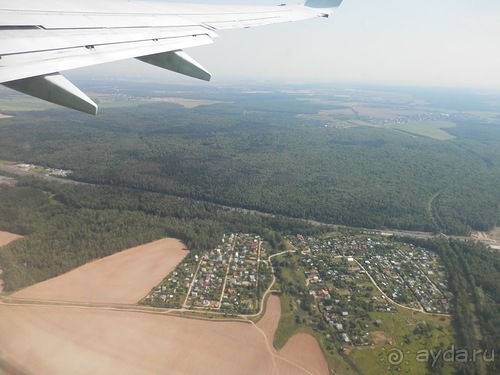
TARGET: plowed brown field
(52,339)
(6,238)
(124,277)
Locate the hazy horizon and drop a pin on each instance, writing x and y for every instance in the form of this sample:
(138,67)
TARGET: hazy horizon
(446,44)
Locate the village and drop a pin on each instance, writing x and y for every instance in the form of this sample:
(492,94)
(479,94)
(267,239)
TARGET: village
(356,282)
(230,278)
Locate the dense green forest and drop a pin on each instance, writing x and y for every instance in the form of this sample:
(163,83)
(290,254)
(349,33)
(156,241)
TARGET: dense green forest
(474,276)
(68,225)
(256,152)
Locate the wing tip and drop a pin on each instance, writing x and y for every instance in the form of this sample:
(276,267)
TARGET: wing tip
(328,6)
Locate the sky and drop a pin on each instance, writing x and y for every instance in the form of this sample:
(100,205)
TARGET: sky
(437,43)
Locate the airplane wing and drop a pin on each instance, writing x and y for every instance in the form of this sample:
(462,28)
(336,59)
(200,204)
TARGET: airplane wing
(40,39)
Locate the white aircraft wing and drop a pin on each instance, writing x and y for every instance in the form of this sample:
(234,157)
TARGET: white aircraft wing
(40,39)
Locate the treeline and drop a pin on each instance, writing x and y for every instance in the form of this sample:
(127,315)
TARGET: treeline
(474,276)
(270,160)
(68,225)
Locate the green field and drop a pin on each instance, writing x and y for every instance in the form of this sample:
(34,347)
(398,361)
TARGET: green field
(23,103)
(288,325)
(429,129)
(401,329)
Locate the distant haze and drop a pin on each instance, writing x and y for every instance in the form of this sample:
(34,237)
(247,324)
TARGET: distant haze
(449,43)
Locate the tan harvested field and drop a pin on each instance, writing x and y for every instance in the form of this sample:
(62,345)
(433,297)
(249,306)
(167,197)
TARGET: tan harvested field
(6,238)
(301,354)
(125,277)
(269,322)
(58,340)
(304,350)
(62,339)
(78,340)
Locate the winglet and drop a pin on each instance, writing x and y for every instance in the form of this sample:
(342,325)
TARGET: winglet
(179,62)
(325,6)
(56,89)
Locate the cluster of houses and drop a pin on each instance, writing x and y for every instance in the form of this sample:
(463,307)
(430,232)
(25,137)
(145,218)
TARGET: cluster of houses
(412,276)
(407,274)
(210,278)
(172,290)
(241,291)
(343,291)
(340,271)
(227,277)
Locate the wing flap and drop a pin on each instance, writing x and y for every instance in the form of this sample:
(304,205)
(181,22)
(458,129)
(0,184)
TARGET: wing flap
(56,89)
(179,62)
